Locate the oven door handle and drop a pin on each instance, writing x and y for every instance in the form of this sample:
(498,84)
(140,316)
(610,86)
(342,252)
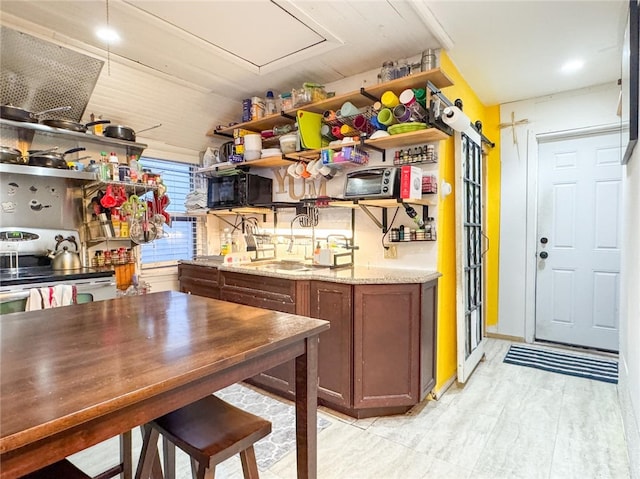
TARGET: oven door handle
(4,297)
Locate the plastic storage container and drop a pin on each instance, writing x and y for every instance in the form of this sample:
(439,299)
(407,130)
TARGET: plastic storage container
(288,143)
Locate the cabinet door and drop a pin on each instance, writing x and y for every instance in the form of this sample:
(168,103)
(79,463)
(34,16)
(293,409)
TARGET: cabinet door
(276,294)
(386,351)
(199,280)
(429,307)
(332,302)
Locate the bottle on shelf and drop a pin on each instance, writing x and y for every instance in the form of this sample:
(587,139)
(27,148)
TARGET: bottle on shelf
(411,213)
(388,71)
(134,171)
(225,242)
(430,229)
(104,172)
(270,104)
(114,167)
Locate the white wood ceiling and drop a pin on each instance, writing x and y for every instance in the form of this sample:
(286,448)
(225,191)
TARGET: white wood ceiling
(213,53)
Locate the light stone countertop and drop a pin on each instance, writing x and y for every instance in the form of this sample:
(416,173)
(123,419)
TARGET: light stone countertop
(349,275)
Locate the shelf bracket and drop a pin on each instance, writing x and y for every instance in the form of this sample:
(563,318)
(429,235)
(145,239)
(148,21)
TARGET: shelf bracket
(383,225)
(226,135)
(286,115)
(375,148)
(368,95)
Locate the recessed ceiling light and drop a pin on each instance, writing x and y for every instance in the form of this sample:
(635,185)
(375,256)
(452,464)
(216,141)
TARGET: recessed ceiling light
(108,35)
(572,66)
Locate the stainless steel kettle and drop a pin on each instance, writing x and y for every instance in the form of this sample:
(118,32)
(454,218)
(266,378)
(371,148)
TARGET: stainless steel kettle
(64,259)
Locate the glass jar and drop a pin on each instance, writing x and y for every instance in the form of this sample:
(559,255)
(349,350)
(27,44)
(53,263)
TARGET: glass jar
(388,71)
(403,69)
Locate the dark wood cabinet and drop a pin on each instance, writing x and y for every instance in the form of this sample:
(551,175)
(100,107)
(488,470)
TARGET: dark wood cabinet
(386,348)
(200,280)
(377,358)
(428,336)
(333,302)
(277,294)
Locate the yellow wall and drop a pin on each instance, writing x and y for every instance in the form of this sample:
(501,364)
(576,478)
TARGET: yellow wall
(490,116)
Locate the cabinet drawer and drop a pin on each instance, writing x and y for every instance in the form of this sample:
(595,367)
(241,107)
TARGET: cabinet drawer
(259,301)
(204,273)
(264,292)
(200,287)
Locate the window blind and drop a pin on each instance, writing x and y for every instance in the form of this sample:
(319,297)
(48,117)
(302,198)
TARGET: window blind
(180,241)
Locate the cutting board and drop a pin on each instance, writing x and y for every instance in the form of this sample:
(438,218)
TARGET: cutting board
(309,125)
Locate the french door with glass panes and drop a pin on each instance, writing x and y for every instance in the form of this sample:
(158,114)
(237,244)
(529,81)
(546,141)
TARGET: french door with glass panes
(469,257)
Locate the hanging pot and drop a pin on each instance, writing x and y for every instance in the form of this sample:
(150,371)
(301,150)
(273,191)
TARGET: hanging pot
(11,155)
(65,259)
(126,133)
(9,112)
(50,159)
(72,125)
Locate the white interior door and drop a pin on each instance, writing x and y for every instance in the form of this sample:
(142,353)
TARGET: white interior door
(469,257)
(579,235)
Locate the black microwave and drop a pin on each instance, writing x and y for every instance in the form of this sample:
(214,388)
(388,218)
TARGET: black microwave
(242,189)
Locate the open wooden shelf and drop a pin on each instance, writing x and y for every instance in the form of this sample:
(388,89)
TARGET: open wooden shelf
(419,80)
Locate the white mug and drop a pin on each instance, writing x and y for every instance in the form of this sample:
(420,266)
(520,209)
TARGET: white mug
(292,170)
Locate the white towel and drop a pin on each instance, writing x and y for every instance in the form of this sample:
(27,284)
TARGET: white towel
(34,301)
(62,295)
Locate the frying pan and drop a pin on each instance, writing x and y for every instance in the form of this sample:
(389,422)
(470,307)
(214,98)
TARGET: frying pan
(10,112)
(72,125)
(10,155)
(126,133)
(50,159)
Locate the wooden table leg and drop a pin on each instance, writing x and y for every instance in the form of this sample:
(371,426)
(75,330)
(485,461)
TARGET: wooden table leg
(307,410)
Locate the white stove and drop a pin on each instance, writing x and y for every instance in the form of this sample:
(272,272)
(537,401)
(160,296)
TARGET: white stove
(24,265)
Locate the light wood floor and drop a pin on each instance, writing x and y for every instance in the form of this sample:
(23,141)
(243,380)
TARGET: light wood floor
(507,422)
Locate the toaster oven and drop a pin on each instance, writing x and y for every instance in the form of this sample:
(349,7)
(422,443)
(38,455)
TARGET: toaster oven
(381,182)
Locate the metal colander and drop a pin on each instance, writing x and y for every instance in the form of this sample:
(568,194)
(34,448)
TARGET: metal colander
(37,75)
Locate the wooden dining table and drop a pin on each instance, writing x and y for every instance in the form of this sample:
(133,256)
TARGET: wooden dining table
(75,376)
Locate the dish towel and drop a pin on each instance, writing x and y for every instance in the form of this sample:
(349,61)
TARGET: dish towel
(35,300)
(62,295)
(45,298)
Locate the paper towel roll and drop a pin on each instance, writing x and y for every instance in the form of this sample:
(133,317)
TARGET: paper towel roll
(455,118)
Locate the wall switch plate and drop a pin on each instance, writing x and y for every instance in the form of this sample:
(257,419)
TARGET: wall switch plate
(390,252)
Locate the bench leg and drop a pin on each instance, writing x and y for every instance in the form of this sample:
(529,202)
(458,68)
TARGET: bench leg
(149,453)
(169,454)
(249,465)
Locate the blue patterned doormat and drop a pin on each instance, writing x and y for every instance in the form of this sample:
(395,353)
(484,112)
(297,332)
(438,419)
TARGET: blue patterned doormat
(563,363)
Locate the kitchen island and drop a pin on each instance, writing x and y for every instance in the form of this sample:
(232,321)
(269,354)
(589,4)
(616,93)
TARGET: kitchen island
(378,358)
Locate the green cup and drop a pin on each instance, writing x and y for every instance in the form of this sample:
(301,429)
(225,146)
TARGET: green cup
(385,116)
(421,96)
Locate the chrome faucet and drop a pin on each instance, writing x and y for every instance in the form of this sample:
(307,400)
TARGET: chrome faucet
(313,232)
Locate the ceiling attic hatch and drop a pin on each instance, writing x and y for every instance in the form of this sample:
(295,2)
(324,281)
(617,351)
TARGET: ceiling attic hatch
(261,36)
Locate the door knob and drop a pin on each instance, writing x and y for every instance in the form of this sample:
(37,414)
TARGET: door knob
(544,240)
(544,255)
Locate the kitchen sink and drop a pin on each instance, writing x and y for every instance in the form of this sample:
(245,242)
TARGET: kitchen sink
(287,266)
